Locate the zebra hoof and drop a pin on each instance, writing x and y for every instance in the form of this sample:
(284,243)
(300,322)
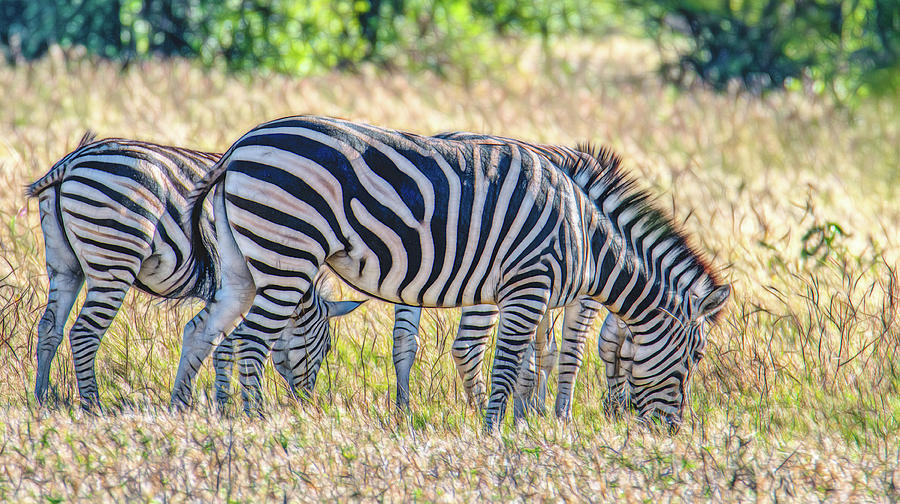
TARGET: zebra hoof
(92,407)
(179,405)
(660,422)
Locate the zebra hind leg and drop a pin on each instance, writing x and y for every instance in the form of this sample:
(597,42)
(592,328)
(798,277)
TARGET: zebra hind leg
(64,287)
(230,301)
(99,309)
(406,333)
(192,356)
(65,279)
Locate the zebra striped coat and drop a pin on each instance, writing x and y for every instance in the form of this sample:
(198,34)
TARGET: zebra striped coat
(433,222)
(468,349)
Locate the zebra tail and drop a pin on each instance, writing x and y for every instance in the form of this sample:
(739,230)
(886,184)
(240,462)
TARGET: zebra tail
(58,170)
(53,177)
(203,249)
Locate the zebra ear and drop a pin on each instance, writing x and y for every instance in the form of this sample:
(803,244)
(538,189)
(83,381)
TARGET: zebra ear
(339,308)
(711,303)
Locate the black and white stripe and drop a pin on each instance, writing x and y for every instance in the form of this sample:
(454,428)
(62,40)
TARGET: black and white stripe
(477,323)
(432,222)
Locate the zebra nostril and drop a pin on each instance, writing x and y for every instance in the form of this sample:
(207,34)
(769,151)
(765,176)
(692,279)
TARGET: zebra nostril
(672,426)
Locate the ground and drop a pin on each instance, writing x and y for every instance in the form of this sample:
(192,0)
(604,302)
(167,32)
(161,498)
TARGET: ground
(794,200)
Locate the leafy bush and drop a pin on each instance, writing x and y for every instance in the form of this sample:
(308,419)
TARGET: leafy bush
(849,47)
(28,28)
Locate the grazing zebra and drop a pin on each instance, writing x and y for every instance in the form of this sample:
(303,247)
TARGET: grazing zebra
(112,215)
(476,323)
(442,223)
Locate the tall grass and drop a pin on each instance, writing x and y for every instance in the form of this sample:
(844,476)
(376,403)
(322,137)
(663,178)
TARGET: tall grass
(795,200)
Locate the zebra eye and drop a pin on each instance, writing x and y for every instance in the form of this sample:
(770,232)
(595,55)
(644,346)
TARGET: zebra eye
(699,353)
(700,350)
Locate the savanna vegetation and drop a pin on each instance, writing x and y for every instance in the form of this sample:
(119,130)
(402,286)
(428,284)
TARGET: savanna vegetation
(794,196)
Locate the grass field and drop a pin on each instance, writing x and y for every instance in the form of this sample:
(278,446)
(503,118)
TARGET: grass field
(797,202)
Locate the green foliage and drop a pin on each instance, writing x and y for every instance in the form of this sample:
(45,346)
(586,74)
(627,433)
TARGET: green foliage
(296,37)
(28,28)
(850,48)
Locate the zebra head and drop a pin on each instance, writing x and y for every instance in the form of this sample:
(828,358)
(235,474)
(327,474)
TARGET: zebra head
(303,346)
(665,354)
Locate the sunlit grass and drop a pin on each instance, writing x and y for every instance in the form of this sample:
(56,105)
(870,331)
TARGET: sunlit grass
(797,398)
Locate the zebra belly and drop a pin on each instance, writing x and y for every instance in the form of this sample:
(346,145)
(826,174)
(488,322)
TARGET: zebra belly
(167,269)
(363,274)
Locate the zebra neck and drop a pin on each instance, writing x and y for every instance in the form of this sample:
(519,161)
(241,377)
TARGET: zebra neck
(634,279)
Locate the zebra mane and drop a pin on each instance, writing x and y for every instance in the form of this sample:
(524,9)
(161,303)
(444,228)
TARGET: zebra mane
(88,137)
(599,173)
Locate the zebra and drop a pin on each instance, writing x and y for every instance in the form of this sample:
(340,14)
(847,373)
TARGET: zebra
(112,215)
(476,324)
(388,211)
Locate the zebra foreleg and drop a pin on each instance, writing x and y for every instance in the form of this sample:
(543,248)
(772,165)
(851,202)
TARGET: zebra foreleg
(519,320)
(310,341)
(223,363)
(523,398)
(269,314)
(545,366)
(610,344)
(475,327)
(280,360)
(529,380)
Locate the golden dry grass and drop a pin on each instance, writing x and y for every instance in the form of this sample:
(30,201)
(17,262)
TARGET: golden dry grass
(797,398)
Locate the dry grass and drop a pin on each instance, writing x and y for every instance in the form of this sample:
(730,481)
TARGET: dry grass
(798,397)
